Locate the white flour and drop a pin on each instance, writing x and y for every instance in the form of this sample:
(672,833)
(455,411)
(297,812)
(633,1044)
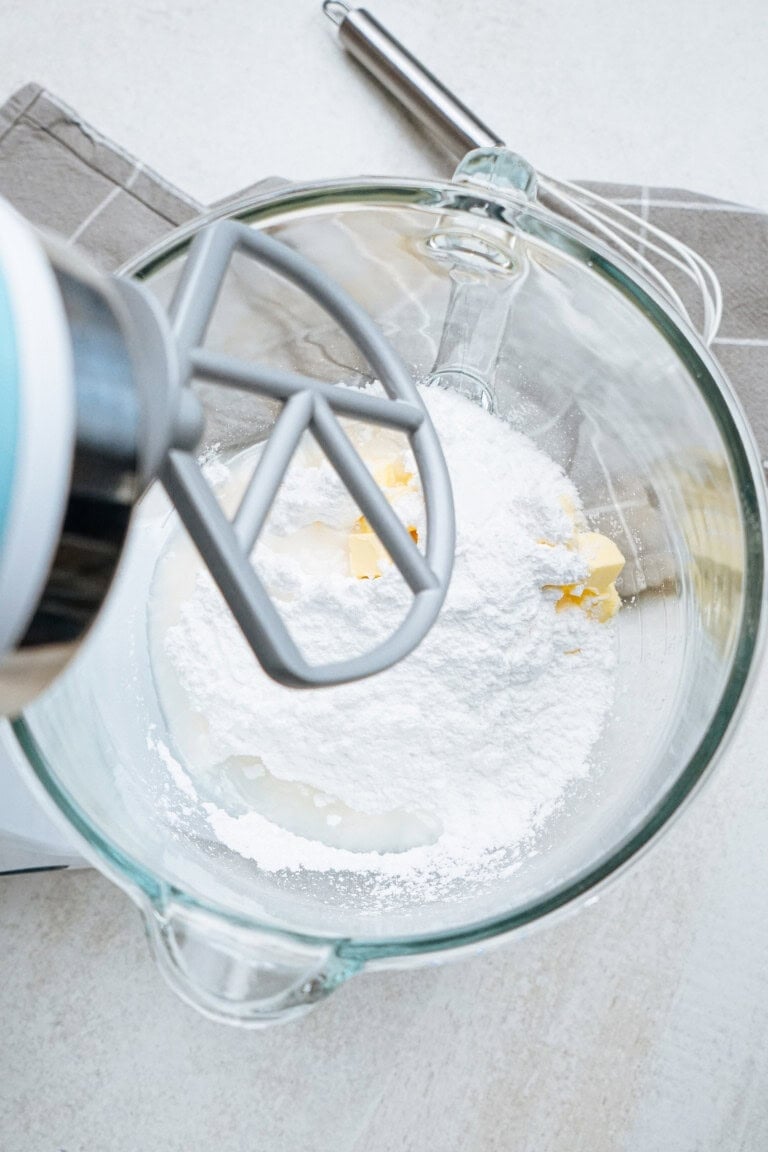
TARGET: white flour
(465,747)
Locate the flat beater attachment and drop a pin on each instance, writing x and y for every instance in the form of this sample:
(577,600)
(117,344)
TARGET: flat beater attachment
(226,546)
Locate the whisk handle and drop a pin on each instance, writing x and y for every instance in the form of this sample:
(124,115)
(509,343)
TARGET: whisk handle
(408,80)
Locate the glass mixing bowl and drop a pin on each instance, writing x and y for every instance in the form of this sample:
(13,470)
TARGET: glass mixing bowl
(496,296)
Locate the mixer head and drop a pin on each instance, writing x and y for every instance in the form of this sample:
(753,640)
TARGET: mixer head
(103,407)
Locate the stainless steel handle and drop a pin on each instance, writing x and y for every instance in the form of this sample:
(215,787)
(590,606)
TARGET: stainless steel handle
(408,80)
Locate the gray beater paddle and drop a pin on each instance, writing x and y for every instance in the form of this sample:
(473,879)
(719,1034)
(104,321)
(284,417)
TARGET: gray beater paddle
(307,405)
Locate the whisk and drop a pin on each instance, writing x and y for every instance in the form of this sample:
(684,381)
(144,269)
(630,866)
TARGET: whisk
(650,250)
(631,236)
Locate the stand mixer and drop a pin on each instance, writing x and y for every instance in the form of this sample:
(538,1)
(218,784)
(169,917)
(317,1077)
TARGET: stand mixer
(103,407)
(596,362)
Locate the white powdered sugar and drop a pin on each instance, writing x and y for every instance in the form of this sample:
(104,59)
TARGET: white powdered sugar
(465,747)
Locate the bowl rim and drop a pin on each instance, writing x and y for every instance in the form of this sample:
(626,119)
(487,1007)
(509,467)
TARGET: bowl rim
(265,208)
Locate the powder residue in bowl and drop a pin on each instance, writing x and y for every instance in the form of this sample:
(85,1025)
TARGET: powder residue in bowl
(462,749)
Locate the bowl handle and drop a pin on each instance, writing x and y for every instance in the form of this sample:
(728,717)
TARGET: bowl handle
(238,974)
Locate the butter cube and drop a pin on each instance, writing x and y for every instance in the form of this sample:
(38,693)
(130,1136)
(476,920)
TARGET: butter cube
(600,606)
(602,557)
(572,596)
(365,553)
(393,475)
(603,607)
(597,595)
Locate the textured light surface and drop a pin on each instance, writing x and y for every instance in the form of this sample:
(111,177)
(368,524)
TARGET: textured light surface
(642,1023)
(215,97)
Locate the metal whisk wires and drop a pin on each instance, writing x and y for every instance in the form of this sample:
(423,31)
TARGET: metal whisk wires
(633,237)
(650,249)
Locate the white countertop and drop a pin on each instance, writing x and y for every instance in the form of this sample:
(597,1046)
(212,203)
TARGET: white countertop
(642,1023)
(217,97)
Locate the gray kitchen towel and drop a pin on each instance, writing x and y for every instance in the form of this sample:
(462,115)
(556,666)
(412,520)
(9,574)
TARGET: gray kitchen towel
(63,175)
(733,239)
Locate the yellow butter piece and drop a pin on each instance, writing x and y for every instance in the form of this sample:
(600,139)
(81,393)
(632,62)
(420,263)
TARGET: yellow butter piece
(603,607)
(602,557)
(571,598)
(365,554)
(597,594)
(393,475)
(600,606)
(576,518)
